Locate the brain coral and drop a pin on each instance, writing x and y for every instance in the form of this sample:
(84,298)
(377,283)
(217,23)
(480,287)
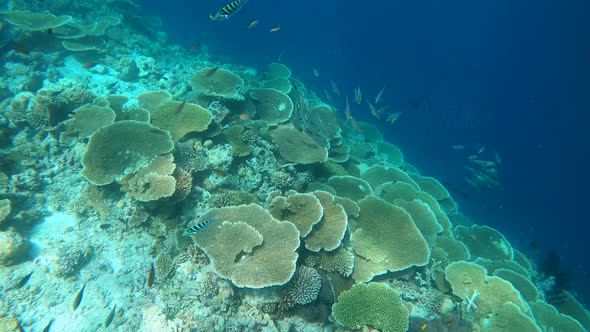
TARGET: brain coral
(374,304)
(250,247)
(387,236)
(123,148)
(218,83)
(298,147)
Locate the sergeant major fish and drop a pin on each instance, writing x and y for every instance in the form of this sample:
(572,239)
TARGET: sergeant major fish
(228,10)
(200,226)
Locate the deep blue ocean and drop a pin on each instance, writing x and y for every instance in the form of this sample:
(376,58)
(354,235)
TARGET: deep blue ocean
(512,76)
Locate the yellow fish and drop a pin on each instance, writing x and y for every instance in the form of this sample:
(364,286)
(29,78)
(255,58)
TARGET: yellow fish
(252,24)
(275,29)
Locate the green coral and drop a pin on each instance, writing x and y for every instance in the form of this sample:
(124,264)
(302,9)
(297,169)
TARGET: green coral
(485,242)
(180,118)
(374,304)
(218,82)
(328,233)
(340,261)
(5,208)
(26,20)
(303,210)
(272,106)
(387,237)
(509,317)
(298,147)
(389,153)
(152,182)
(467,279)
(377,175)
(526,287)
(233,135)
(350,187)
(123,148)
(550,319)
(89,118)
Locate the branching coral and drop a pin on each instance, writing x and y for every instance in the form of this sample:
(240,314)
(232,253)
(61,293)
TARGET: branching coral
(305,286)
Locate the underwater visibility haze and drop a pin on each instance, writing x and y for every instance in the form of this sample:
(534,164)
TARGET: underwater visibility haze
(257,165)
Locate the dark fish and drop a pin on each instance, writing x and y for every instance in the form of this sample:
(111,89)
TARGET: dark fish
(179,107)
(78,298)
(24,281)
(198,227)
(150,280)
(22,50)
(48,327)
(195,47)
(50,31)
(210,71)
(110,317)
(89,65)
(228,10)
(220,172)
(293,84)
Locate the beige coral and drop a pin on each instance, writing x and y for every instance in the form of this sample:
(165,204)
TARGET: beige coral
(328,233)
(218,82)
(152,182)
(249,247)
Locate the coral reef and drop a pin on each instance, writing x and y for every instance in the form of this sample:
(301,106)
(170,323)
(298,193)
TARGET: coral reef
(257,206)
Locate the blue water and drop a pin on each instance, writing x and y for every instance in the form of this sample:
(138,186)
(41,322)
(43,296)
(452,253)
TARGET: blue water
(510,75)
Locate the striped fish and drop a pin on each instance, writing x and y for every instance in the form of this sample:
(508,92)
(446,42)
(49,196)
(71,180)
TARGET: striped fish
(228,10)
(200,226)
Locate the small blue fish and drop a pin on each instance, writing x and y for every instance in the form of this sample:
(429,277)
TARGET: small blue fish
(200,226)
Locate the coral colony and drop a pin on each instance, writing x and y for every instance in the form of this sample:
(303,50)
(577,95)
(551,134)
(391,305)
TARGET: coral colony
(144,187)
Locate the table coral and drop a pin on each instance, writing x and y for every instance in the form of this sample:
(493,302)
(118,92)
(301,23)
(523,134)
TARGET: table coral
(250,247)
(122,148)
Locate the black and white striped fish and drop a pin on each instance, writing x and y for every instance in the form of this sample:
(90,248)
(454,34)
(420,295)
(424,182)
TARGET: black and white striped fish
(200,226)
(228,10)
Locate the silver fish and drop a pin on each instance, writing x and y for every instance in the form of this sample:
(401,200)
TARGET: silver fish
(228,10)
(200,226)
